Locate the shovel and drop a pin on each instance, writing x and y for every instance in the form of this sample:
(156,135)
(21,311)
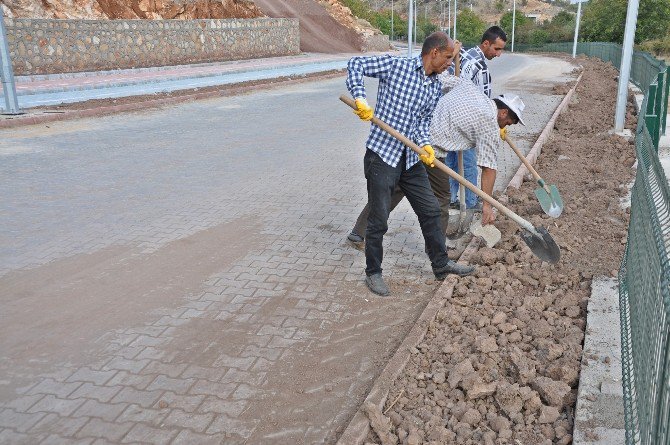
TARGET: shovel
(538,239)
(550,199)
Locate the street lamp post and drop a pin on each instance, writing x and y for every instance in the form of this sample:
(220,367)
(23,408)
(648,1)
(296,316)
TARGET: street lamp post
(410,23)
(449,24)
(392,12)
(513,22)
(579,15)
(7,72)
(624,69)
(455,17)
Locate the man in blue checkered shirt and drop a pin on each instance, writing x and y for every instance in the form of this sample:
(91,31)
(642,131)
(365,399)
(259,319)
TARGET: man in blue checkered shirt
(407,95)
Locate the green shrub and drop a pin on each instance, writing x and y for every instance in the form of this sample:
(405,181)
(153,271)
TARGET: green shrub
(469,27)
(657,47)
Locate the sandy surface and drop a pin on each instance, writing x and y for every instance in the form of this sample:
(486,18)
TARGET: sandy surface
(319,32)
(501,362)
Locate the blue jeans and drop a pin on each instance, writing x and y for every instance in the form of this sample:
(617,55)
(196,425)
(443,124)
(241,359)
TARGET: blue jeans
(469,171)
(413,182)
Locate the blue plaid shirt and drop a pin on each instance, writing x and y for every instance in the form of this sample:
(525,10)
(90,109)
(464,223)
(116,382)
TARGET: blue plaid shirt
(405,100)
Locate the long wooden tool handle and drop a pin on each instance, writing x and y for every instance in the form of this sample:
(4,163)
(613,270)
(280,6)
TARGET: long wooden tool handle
(457,64)
(420,151)
(530,168)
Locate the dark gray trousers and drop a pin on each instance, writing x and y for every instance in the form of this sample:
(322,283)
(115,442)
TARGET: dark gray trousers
(439,183)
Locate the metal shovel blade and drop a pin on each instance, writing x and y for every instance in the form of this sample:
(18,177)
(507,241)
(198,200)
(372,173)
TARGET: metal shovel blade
(543,246)
(550,201)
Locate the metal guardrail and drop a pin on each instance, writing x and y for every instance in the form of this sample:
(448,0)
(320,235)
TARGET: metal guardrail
(644,277)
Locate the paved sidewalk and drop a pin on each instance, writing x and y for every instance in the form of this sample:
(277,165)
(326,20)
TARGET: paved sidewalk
(182,275)
(42,90)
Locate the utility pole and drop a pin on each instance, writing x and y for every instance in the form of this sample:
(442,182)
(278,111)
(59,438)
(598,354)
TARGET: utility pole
(449,24)
(410,23)
(7,72)
(513,22)
(579,15)
(455,17)
(416,13)
(392,13)
(624,70)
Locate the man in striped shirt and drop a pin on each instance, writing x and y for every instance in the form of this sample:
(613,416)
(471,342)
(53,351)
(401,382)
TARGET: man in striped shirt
(407,94)
(475,69)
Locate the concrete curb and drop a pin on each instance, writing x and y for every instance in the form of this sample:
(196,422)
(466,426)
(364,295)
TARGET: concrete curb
(599,412)
(536,149)
(224,91)
(359,427)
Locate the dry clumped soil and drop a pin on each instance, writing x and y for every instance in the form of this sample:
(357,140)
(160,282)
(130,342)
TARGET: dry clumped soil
(500,363)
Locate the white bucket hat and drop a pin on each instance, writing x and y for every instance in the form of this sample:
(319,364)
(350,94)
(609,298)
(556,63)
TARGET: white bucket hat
(514,103)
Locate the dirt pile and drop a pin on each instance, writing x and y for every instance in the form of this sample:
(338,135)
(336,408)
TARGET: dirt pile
(325,26)
(500,364)
(131,9)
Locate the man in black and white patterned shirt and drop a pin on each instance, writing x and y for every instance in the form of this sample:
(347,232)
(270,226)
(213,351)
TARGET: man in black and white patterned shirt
(475,69)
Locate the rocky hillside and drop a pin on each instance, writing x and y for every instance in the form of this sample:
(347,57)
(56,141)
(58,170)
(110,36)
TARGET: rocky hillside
(131,9)
(325,25)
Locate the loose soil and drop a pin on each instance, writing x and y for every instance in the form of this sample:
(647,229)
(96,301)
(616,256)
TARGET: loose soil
(500,363)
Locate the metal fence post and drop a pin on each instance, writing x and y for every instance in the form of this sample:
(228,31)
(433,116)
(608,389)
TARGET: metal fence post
(664,121)
(6,72)
(651,115)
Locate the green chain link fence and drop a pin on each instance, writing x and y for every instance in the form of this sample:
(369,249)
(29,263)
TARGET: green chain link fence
(644,277)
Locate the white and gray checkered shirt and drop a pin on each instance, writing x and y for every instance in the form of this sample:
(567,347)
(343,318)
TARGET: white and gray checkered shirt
(466,118)
(405,100)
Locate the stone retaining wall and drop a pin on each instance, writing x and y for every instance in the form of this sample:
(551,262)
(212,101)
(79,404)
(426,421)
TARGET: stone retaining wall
(40,46)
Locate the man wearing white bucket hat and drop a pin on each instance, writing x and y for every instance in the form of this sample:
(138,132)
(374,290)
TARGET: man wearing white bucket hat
(465,118)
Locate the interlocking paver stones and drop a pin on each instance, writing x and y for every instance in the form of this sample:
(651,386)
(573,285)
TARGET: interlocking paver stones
(180,386)
(62,426)
(186,437)
(141,433)
(97,428)
(141,397)
(54,439)
(19,421)
(194,421)
(136,413)
(54,387)
(105,411)
(250,296)
(188,403)
(124,378)
(51,404)
(223,406)
(100,393)
(232,427)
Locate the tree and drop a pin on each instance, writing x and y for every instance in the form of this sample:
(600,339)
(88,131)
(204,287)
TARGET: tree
(506,21)
(605,20)
(469,27)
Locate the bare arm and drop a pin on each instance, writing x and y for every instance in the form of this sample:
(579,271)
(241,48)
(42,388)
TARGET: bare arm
(488,180)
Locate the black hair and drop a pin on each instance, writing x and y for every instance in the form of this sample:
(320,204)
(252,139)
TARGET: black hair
(493,33)
(503,106)
(438,39)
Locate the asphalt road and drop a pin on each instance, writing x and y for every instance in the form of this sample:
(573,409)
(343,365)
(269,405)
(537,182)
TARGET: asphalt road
(181,275)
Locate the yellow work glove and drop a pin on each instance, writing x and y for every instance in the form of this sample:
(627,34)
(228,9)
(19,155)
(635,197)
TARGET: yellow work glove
(428,159)
(364,111)
(503,133)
